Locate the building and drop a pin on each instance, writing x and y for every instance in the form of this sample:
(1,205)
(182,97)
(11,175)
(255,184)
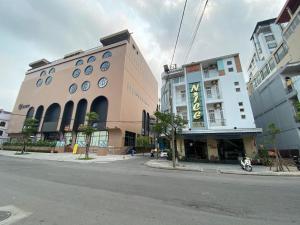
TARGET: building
(113,80)
(4,121)
(212,95)
(265,38)
(274,89)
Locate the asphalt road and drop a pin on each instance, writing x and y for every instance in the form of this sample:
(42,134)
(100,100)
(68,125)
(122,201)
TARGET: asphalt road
(127,192)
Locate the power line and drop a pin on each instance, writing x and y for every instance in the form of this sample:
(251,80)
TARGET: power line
(195,32)
(178,32)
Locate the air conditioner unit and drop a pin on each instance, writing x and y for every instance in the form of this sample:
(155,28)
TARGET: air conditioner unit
(217,105)
(214,82)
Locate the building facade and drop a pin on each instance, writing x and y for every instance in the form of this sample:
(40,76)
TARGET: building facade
(4,122)
(113,80)
(212,96)
(274,89)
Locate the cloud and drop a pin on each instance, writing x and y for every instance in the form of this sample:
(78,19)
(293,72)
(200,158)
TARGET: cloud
(34,29)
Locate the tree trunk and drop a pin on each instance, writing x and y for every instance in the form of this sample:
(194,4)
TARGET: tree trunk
(175,145)
(24,147)
(87,149)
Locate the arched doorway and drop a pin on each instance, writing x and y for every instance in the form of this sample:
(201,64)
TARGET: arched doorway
(144,122)
(30,113)
(50,121)
(80,114)
(67,116)
(100,106)
(39,114)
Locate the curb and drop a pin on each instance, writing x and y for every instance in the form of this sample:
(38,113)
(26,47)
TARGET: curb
(218,171)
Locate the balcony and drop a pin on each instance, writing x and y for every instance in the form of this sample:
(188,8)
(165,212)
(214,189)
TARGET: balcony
(211,73)
(217,122)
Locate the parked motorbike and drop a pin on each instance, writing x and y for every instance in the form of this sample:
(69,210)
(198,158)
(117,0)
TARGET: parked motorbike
(246,164)
(297,161)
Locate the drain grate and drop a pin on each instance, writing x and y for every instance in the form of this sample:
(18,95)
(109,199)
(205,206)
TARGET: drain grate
(4,215)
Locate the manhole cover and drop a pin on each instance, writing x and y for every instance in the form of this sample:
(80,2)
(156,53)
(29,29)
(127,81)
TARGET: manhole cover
(4,215)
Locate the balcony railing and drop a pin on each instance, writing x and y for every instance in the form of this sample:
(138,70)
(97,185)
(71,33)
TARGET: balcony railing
(213,96)
(217,122)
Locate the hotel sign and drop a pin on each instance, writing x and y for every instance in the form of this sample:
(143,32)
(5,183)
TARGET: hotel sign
(21,106)
(196,102)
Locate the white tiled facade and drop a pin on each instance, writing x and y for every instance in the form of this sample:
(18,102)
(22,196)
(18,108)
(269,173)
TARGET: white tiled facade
(4,121)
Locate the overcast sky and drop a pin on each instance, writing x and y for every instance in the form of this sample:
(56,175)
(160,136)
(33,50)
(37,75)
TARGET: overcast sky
(35,29)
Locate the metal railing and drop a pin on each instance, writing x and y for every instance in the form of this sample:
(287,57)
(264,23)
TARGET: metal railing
(217,122)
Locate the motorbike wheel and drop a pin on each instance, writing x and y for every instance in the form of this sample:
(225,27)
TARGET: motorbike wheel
(248,168)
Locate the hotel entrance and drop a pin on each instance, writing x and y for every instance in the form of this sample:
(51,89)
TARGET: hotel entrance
(195,150)
(230,149)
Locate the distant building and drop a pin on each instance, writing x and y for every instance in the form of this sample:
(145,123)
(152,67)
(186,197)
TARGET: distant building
(211,94)
(275,87)
(4,121)
(113,80)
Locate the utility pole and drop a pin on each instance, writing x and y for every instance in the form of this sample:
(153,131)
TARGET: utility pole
(172,127)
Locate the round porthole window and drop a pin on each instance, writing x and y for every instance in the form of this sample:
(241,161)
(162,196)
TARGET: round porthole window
(39,82)
(48,80)
(76,73)
(106,54)
(43,73)
(85,86)
(52,70)
(79,62)
(88,70)
(102,82)
(105,66)
(73,88)
(91,59)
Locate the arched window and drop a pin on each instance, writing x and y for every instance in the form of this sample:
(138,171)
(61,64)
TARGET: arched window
(51,118)
(100,106)
(143,122)
(147,124)
(67,116)
(39,114)
(80,114)
(30,113)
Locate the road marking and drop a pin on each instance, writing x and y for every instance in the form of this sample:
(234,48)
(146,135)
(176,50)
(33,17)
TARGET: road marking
(16,214)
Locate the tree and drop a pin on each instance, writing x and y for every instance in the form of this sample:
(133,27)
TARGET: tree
(273,131)
(29,129)
(168,123)
(88,129)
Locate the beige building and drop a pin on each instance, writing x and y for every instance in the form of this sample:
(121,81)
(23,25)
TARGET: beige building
(113,80)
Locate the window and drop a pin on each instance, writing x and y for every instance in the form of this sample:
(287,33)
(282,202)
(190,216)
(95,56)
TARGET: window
(229,62)
(79,62)
(2,124)
(208,92)
(85,86)
(106,54)
(88,70)
(39,82)
(230,69)
(242,110)
(236,83)
(270,37)
(280,53)
(105,66)
(102,82)
(43,73)
(272,45)
(1,133)
(76,73)
(212,118)
(48,80)
(241,104)
(243,116)
(237,89)
(271,64)
(73,88)
(91,59)
(52,70)
(99,139)
(80,139)
(129,138)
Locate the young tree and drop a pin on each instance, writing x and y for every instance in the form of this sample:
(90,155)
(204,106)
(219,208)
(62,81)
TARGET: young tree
(29,129)
(168,123)
(142,141)
(88,129)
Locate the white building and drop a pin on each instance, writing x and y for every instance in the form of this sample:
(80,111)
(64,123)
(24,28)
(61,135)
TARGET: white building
(4,121)
(212,95)
(266,37)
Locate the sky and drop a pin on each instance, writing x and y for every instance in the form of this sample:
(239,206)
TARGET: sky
(35,29)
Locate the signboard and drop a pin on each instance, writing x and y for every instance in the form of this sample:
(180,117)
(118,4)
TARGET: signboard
(196,102)
(22,106)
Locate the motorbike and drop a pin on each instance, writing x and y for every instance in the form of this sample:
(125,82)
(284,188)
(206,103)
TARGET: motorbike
(297,161)
(246,164)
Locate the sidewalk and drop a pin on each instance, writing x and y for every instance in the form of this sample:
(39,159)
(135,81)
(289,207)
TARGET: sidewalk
(67,157)
(220,168)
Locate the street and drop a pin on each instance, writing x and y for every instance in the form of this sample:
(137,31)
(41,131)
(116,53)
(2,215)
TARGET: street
(128,192)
